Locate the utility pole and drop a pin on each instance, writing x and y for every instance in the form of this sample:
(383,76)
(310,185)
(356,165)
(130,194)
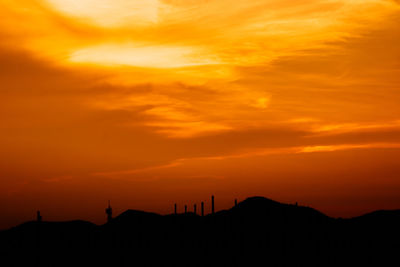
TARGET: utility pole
(109,212)
(38,216)
(212,205)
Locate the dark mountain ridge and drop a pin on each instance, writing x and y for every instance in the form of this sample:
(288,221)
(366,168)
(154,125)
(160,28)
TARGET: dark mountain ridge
(257,231)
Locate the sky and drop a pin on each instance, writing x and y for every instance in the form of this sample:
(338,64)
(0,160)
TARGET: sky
(156,102)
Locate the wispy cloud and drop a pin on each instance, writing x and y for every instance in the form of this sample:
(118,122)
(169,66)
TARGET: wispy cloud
(356,127)
(259,152)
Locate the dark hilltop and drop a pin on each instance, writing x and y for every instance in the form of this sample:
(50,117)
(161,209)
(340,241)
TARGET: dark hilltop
(255,232)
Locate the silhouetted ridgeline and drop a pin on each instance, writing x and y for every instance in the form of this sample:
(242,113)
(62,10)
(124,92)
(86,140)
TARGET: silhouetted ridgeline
(256,232)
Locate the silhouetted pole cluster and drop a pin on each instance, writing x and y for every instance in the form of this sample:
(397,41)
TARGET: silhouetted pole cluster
(201,207)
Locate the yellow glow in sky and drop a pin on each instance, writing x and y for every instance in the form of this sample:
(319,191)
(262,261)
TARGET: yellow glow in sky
(141,56)
(110,12)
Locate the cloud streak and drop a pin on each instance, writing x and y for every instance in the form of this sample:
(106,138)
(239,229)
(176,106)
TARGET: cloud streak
(260,152)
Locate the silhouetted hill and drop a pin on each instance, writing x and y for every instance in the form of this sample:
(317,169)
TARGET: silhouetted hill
(380,216)
(258,231)
(133,217)
(135,214)
(260,207)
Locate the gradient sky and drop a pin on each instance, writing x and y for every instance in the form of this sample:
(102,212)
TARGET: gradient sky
(147,103)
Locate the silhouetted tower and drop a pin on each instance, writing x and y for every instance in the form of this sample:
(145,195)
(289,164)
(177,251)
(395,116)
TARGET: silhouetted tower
(202,208)
(38,216)
(38,234)
(194,208)
(235,202)
(185,208)
(175,209)
(212,205)
(109,212)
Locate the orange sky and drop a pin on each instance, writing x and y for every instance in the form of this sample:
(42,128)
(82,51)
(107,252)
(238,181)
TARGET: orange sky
(153,102)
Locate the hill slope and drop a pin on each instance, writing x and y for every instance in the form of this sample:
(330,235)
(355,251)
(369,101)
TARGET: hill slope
(258,231)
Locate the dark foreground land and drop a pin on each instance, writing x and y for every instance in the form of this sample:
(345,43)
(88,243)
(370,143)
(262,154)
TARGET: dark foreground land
(257,232)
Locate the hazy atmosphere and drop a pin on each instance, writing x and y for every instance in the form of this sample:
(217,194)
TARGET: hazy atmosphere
(148,103)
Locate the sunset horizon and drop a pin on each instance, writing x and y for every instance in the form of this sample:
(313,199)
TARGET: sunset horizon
(151,103)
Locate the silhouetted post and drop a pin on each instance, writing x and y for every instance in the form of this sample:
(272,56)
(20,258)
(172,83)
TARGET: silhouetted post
(202,208)
(212,205)
(235,202)
(296,204)
(185,208)
(109,212)
(38,216)
(175,209)
(194,208)
(38,237)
